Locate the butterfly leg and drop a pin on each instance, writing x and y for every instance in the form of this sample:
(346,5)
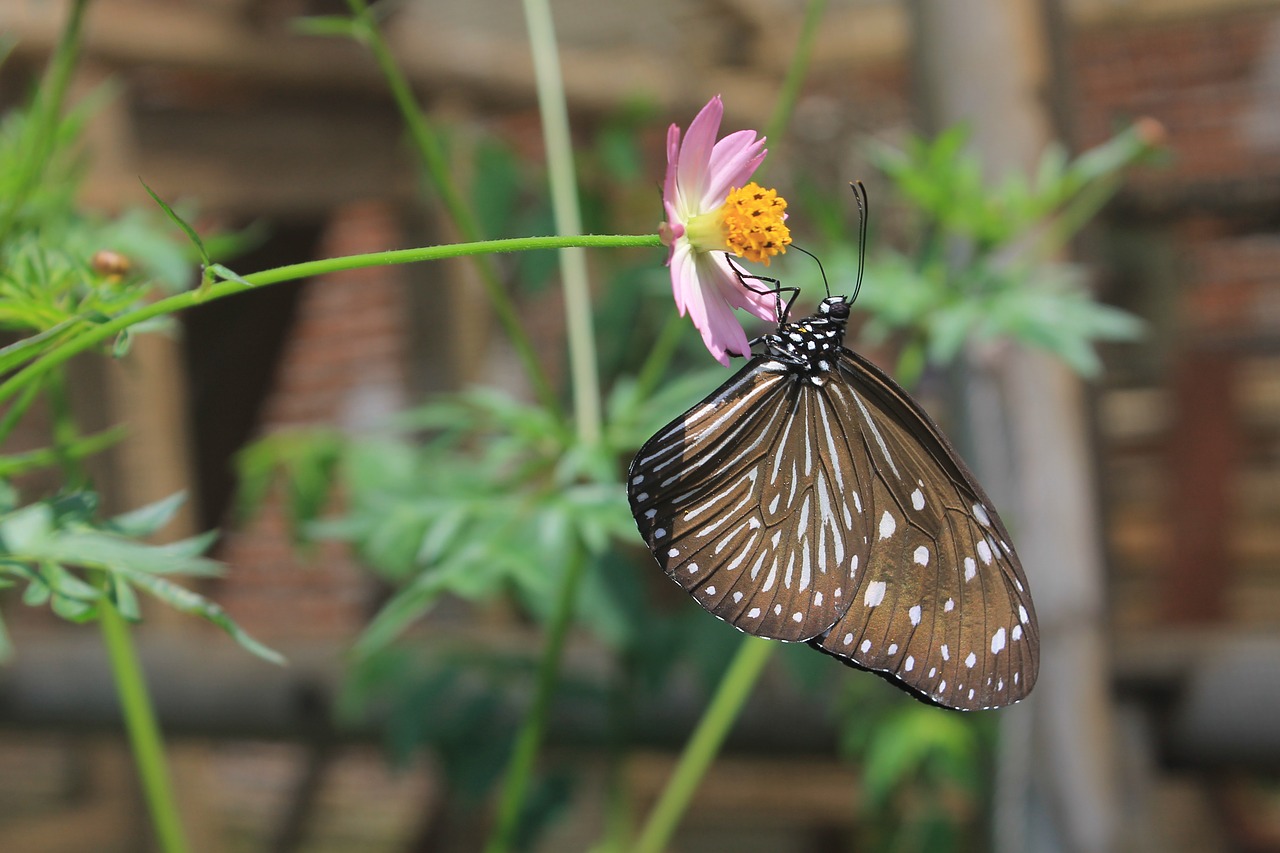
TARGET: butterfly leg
(776,290)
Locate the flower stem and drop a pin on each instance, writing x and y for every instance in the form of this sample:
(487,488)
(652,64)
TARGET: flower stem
(95,335)
(586,398)
(568,218)
(144,733)
(437,166)
(529,739)
(702,747)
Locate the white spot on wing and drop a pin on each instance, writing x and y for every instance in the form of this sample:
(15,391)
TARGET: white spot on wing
(980,513)
(865,647)
(921,556)
(984,552)
(971,660)
(949,606)
(914,614)
(997,641)
(946,653)
(970,568)
(909,664)
(753,613)
(875,593)
(917,500)
(711,590)
(887,525)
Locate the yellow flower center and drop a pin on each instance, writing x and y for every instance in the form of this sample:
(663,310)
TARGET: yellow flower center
(754,223)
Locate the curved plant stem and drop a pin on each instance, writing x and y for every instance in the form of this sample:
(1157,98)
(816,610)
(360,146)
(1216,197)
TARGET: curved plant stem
(529,739)
(702,747)
(586,397)
(437,167)
(95,335)
(564,203)
(144,733)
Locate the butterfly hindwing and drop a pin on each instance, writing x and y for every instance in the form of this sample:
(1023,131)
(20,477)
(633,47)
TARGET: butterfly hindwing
(943,606)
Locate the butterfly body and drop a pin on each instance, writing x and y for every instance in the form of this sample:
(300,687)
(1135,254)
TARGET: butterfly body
(810,499)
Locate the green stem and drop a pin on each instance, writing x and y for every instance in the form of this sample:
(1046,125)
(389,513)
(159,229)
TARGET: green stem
(144,733)
(586,397)
(660,355)
(95,335)
(45,116)
(702,747)
(564,202)
(15,464)
(515,783)
(790,92)
(437,165)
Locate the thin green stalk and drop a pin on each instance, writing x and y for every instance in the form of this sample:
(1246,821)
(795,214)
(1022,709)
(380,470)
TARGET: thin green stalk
(660,355)
(790,91)
(100,333)
(702,748)
(437,166)
(586,397)
(529,739)
(15,464)
(15,412)
(144,733)
(564,202)
(46,114)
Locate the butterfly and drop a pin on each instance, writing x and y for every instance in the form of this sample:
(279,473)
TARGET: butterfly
(810,499)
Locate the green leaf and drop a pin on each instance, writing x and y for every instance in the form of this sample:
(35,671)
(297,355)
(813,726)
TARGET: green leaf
(26,530)
(225,274)
(402,610)
(122,343)
(180,222)
(124,599)
(100,550)
(182,599)
(65,584)
(33,346)
(146,520)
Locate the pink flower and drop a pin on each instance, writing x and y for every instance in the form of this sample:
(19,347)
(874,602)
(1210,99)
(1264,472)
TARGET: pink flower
(712,208)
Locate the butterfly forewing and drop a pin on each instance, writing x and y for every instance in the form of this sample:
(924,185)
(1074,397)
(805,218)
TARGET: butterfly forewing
(735,503)
(810,499)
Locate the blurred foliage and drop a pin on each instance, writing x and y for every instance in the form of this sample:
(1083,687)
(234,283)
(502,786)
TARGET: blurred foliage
(62,270)
(72,562)
(985,265)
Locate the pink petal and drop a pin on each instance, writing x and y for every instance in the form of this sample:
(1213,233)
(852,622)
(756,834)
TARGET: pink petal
(695,153)
(673,157)
(714,318)
(733,161)
(735,293)
(684,273)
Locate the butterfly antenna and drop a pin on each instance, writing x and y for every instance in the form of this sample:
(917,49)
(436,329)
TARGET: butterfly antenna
(860,193)
(825,286)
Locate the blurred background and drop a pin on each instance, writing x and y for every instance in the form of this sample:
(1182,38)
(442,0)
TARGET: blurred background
(1154,728)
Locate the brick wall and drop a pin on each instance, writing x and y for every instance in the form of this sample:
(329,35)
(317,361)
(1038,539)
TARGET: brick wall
(344,365)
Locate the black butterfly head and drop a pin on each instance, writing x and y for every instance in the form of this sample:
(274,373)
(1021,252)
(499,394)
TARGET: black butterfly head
(811,346)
